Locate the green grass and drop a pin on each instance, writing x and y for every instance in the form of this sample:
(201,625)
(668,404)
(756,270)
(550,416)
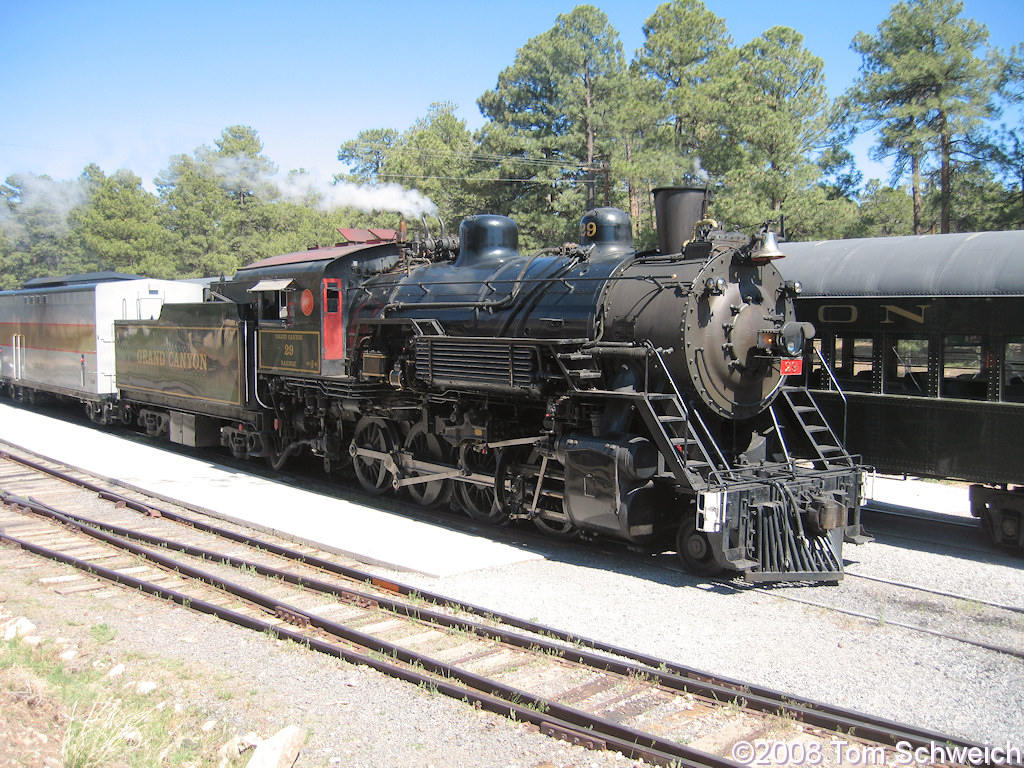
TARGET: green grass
(101,633)
(103,723)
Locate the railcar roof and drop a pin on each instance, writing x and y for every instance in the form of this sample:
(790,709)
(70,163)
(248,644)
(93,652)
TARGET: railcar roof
(90,278)
(301,257)
(970,264)
(358,240)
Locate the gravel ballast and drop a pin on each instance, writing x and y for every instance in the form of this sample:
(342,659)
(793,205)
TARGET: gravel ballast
(766,639)
(247,681)
(358,717)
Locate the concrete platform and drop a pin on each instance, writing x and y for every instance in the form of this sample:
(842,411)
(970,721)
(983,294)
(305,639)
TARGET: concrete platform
(366,534)
(927,495)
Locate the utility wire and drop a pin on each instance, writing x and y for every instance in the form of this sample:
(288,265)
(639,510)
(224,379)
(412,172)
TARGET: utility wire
(468,155)
(468,178)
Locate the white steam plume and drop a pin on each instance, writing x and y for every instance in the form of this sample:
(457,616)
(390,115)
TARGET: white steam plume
(242,172)
(701,175)
(380,197)
(41,203)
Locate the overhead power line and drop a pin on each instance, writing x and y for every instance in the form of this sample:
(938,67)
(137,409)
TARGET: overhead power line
(467,178)
(483,157)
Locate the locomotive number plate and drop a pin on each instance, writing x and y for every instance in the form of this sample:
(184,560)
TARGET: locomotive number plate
(289,351)
(792,367)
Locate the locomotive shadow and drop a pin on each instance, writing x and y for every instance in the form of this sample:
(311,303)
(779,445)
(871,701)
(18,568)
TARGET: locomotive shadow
(605,554)
(938,534)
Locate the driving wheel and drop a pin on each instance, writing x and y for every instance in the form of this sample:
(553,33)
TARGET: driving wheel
(479,500)
(373,434)
(518,470)
(426,446)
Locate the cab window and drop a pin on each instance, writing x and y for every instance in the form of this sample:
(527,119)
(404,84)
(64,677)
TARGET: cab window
(275,306)
(333,299)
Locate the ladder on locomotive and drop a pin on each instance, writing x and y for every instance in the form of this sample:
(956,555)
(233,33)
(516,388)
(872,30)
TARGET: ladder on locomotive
(819,433)
(685,443)
(828,446)
(687,449)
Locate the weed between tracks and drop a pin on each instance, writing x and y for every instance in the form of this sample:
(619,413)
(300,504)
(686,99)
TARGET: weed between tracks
(75,715)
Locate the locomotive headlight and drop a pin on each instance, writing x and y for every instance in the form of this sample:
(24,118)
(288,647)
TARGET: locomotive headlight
(767,340)
(794,336)
(794,343)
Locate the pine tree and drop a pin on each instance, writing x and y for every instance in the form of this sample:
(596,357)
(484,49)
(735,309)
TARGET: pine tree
(778,121)
(120,227)
(924,87)
(553,114)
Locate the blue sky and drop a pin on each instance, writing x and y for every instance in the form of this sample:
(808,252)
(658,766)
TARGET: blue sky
(129,84)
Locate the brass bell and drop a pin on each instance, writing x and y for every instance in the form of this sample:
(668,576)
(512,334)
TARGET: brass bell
(769,248)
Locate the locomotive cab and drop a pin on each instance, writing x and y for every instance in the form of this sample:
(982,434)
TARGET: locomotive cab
(302,308)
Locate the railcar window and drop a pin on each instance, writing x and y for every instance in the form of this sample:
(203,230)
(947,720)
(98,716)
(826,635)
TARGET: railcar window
(965,374)
(853,363)
(1013,377)
(907,367)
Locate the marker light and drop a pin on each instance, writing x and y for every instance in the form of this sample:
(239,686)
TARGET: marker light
(716,286)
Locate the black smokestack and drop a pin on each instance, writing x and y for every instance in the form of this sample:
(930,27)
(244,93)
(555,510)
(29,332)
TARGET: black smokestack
(677,210)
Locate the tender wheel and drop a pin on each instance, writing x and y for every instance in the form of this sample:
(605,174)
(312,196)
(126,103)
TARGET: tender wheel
(479,500)
(373,434)
(694,549)
(426,446)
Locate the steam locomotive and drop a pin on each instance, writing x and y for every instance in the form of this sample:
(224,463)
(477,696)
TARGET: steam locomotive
(591,389)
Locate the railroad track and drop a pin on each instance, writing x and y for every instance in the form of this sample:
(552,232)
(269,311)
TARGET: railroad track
(995,614)
(952,532)
(570,687)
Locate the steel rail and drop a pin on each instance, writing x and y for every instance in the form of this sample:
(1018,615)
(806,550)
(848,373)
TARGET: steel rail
(671,675)
(939,592)
(551,717)
(1016,653)
(885,732)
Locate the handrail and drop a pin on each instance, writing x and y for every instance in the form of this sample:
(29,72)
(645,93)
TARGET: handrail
(778,431)
(839,389)
(689,412)
(906,367)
